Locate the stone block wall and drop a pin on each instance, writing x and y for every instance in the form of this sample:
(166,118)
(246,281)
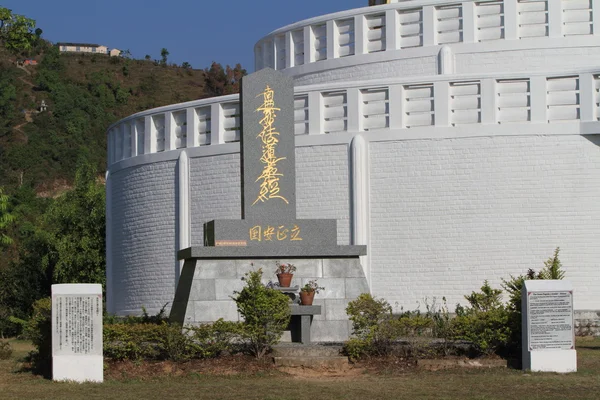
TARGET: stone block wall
(143,238)
(211,283)
(448,214)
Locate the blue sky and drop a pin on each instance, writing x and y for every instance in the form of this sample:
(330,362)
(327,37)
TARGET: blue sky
(196,31)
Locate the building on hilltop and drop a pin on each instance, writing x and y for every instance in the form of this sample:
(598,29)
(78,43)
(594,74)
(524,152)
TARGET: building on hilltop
(458,140)
(87,48)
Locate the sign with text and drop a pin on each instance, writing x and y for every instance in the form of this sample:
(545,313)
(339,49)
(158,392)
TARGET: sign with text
(268,146)
(268,169)
(77,332)
(77,325)
(548,332)
(551,320)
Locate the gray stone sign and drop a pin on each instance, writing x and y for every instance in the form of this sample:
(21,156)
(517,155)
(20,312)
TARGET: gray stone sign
(268,166)
(268,146)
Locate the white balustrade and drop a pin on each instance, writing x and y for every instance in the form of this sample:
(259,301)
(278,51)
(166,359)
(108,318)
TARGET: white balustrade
(454,104)
(422,23)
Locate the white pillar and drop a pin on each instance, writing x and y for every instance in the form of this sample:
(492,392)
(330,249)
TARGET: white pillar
(469,21)
(332,40)
(315,113)
(555,21)
(353,102)
(110,306)
(396,106)
(441,103)
(289,50)
(361,224)
(488,101)
(308,44)
(183,231)
(511,24)
(429,26)
(360,35)
(109,148)
(133,133)
(191,118)
(217,130)
(587,101)
(150,136)
(596,17)
(170,137)
(539,99)
(392,30)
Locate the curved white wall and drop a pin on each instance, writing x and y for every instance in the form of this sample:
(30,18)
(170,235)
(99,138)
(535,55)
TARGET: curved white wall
(468,157)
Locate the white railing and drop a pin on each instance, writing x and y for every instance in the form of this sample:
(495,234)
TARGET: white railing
(400,105)
(423,23)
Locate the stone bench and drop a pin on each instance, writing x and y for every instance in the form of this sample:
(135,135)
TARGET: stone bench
(301,321)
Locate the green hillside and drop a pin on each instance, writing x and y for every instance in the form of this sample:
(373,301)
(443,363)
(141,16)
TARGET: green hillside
(52,161)
(84,94)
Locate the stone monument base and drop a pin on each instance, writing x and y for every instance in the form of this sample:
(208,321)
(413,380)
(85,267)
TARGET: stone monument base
(562,361)
(206,286)
(78,368)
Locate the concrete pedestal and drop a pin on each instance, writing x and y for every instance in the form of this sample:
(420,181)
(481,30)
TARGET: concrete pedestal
(548,335)
(206,286)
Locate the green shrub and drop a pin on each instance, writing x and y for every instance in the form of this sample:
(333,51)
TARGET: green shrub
(266,313)
(485,322)
(373,327)
(39,331)
(552,270)
(488,331)
(160,318)
(5,350)
(212,340)
(134,341)
(367,312)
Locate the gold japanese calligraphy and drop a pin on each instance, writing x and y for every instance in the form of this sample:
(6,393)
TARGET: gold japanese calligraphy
(269,178)
(261,233)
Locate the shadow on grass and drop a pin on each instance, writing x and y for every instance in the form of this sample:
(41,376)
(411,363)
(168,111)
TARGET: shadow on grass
(33,364)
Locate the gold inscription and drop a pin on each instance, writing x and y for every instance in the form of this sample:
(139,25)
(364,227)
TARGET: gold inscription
(259,233)
(296,233)
(269,185)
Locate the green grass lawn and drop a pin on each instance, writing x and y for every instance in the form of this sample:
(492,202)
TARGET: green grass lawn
(411,384)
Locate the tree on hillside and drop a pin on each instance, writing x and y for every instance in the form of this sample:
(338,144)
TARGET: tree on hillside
(8,97)
(65,245)
(219,81)
(164,53)
(16,31)
(6,219)
(77,221)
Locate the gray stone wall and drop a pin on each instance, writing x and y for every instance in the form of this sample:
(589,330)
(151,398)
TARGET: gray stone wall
(143,238)
(213,282)
(214,192)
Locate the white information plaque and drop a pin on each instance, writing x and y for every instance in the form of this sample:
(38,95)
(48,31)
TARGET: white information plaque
(548,337)
(77,333)
(551,320)
(77,325)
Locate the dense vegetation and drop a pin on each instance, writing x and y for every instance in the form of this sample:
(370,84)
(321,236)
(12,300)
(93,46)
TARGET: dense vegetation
(53,161)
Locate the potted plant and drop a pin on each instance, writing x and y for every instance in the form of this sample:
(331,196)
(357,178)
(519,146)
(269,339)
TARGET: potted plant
(284,273)
(307,292)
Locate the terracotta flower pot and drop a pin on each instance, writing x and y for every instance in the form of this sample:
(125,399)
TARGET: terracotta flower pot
(285,279)
(307,298)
